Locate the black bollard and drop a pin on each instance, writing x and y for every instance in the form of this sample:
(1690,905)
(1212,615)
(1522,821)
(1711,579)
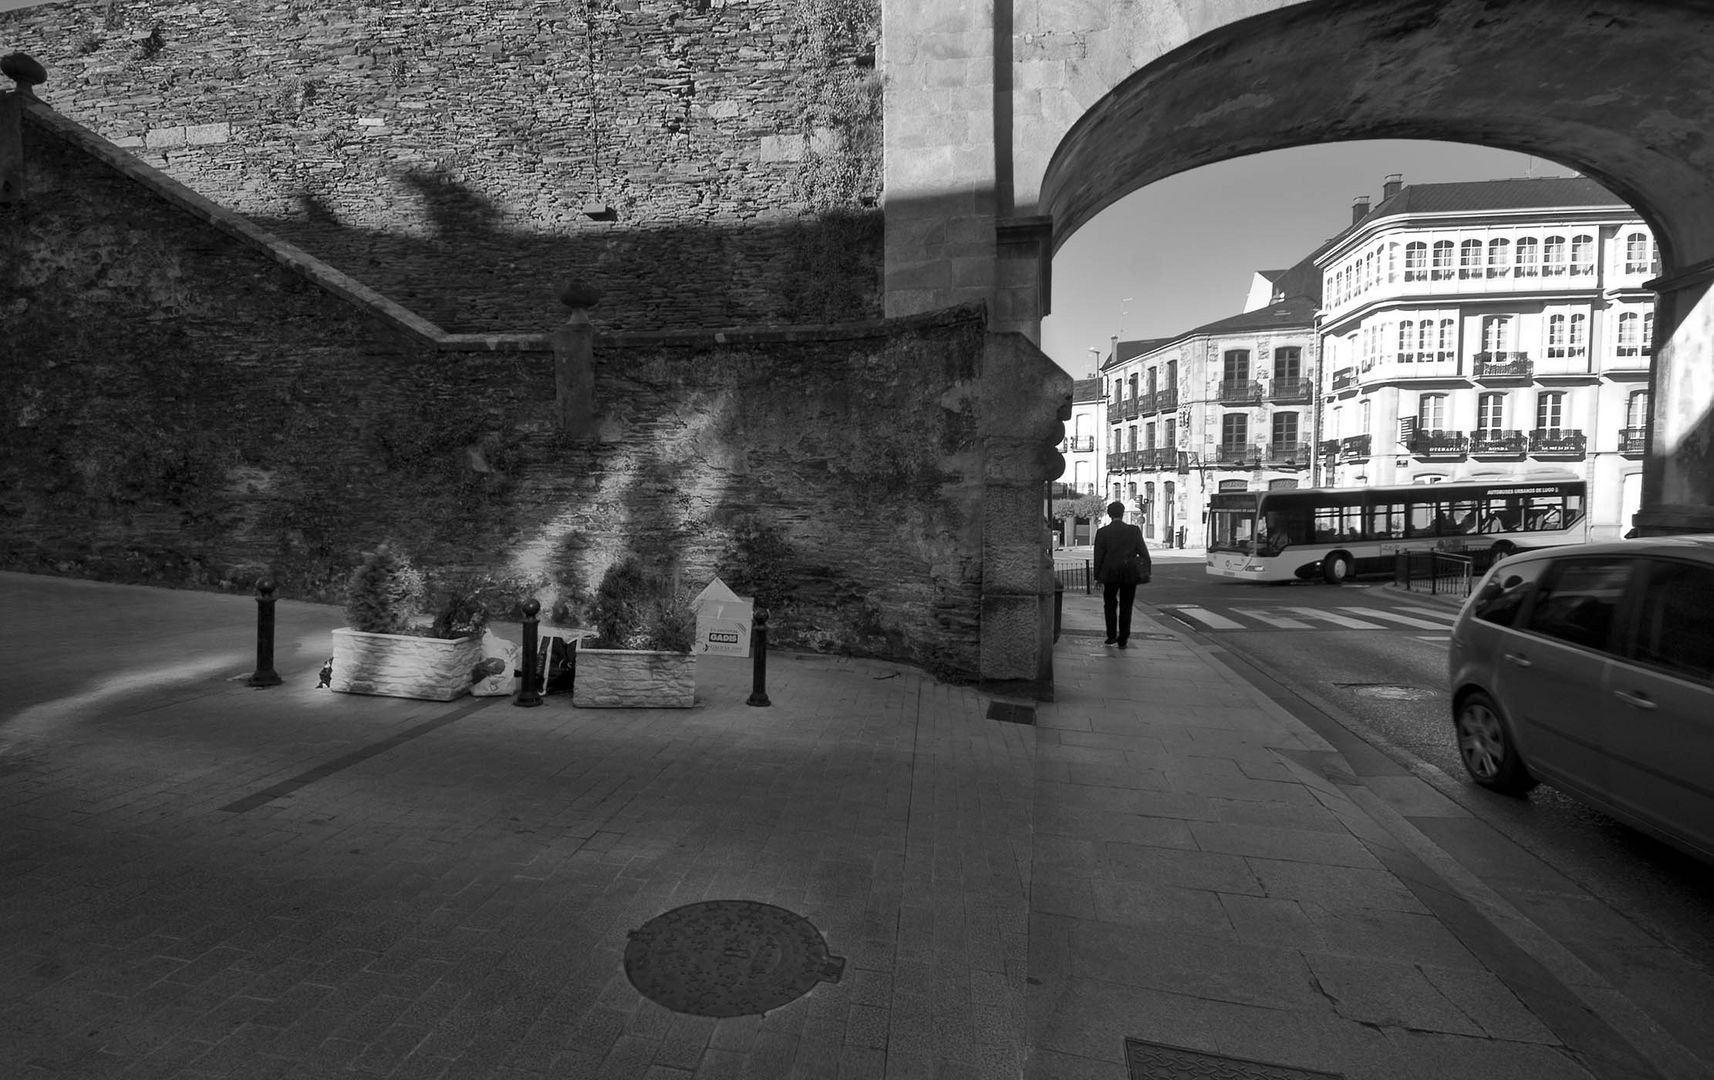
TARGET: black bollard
(528,694)
(1088,578)
(265,675)
(759,660)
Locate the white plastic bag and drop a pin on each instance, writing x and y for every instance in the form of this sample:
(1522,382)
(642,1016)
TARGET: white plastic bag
(494,676)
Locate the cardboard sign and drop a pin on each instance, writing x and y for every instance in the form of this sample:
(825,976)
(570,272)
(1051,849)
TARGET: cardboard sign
(723,621)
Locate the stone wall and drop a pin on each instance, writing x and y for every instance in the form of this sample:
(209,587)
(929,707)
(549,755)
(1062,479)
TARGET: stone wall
(702,162)
(184,409)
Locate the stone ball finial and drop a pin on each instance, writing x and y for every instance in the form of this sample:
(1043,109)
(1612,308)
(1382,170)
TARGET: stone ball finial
(579,294)
(23,68)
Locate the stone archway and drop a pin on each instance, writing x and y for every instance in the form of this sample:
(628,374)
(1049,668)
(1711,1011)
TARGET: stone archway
(1087,105)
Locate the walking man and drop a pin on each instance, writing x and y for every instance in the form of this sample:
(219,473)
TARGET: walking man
(1121,564)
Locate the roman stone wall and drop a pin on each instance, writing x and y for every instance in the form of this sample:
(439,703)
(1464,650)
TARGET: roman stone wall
(186,409)
(702,162)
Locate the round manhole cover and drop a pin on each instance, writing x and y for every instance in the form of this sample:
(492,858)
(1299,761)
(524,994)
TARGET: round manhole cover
(1390,692)
(728,958)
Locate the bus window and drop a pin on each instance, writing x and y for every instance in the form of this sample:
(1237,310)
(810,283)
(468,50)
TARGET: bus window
(1501,515)
(1456,518)
(1336,524)
(1419,519)
(1386,522)
(1283,528)
(1231,529)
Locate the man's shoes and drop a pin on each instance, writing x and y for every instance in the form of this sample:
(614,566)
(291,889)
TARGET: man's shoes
(1121,644)
(1111,641)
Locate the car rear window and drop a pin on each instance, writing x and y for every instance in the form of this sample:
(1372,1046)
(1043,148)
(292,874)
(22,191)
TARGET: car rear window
(1676,621)
(1578,598)
(1504,590)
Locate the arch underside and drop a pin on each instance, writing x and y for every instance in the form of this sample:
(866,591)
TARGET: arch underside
(1621,91)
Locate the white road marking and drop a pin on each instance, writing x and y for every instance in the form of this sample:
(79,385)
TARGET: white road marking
(1211,620)
(1439,613)
(1376,613)
(1336,620)
(1271,619)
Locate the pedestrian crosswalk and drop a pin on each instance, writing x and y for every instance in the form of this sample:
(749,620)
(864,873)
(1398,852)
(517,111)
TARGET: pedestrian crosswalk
(1281,617)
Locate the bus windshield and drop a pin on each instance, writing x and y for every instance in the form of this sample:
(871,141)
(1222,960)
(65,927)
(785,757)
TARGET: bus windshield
(1232,523)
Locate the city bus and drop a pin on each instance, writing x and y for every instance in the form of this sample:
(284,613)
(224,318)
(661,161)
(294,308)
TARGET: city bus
(1300,534)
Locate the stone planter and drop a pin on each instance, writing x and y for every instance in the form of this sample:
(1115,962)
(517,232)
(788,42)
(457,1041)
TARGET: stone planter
(398,665)
(634,679)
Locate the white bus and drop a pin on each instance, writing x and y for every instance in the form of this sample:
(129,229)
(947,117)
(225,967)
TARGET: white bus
(1301,534)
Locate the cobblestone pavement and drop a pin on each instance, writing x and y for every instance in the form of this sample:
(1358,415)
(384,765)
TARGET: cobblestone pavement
(201,879)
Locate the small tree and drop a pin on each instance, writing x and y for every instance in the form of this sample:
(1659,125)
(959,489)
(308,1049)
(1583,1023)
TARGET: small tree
(383,593)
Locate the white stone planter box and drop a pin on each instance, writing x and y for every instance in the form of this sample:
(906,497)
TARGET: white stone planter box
(634,679)
(399,665)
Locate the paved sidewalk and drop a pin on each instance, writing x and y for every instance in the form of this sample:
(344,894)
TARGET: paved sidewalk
(203,880)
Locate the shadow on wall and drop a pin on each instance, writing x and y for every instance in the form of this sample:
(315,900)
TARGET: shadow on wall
(467,271)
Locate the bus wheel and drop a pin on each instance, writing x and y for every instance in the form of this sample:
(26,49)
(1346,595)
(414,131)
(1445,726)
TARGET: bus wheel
(1336,567)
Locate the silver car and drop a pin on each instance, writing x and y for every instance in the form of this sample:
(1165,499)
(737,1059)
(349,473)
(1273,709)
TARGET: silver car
(1592,668)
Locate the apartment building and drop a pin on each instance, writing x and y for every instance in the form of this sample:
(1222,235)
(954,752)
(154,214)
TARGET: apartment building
(1081,449)
(1495,330)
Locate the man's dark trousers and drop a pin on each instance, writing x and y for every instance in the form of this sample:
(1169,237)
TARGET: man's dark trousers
(1116,601)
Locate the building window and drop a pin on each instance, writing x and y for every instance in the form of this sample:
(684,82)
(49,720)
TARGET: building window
(1416,261)
(1637,409)
(1172,374)
(1470,259)
(1234,430)
(1568,335)
(1442,260)
(1499,257)
(1491,413)
(1430,413)
(1550,410)
(1496,335)
(1236,366)
(1169,433)
(1234,485)
(1448,339)
(1407,335)
(1648,333)
(1131,437)
(1556,335)
(1553,255)
(1148,436)
(1525,255)
(1288,363)
(1583,254)
(1579,344)
(1629,341)
(1425,340)
(1639,254)
(1285,431)
(1392,262)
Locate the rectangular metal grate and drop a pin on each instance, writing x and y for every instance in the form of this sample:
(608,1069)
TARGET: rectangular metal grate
(1158,1061)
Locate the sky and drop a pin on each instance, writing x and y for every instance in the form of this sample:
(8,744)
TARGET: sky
(1181,252)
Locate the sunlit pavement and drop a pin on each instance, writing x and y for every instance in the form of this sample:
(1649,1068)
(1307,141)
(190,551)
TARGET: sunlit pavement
(202,879)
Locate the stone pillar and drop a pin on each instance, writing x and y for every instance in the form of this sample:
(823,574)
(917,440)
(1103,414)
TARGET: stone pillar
(1024,283)
(574,363)
(27,74)
(1025,398)
(940,200)
(1678,476)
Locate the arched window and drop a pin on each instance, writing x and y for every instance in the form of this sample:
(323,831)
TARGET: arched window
(1407,335)
(1499,257)
(1553,255)
(1448,336)
(1470,259)
(1416,261)
(1491,413)
(1234,485)
(1496,335)
(1648,333)
(1579,343)
(1639,258)
(1629,340)
(1637,410)
(1583,254)
(1526,253)
(1425,340)
(1556,335)
(1442,260)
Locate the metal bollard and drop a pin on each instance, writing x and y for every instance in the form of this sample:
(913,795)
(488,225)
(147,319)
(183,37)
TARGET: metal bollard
(265,675)
(1088,578)
(759,660)
(527,693)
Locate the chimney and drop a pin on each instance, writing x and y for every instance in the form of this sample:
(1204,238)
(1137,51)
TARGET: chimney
(1359,208)
(1390,186)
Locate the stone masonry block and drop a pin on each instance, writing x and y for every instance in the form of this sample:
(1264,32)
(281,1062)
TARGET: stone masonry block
(205,134)
(1011,637)
(160,138)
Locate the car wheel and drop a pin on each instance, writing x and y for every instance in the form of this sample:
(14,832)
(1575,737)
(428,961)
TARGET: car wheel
(1486,747)
(1336,567)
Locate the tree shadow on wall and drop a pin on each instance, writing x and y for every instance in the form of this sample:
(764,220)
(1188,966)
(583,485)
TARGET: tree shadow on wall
(454,259)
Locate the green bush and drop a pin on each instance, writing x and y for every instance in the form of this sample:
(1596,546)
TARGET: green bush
(384,593)
(634,609)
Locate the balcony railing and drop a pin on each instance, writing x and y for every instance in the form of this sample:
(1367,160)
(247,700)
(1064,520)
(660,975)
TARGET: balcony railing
(1113,462)
(1494,441)
(1344,377)
(1328,448)
(1166,399)
(1291,390)
(1503,365)
(1081,444)
(1160,457)
(1568,441)
(1289,454)
(1633,440)
(1240,392)
(1132,408)
(1438,444)
(1238,456)
(1354,447)
(1115,411)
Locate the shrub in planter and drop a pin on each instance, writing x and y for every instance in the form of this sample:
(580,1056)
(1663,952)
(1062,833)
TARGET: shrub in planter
(386,651)
(640,656)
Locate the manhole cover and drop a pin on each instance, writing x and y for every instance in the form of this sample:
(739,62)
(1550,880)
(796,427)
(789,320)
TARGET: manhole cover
(728,958)
(1158,1061)
(1390,691)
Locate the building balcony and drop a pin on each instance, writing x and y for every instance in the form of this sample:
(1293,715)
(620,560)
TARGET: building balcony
(1557,442)
(1115,411)
(1344,377)
(1240,392)
(1289,455)
(1238,456)
(1503,365)
(1133,408)
(1080,444)
(1113,461)
(1284,391)
(1438,444)
(1328,448)
(1492,442)
(1166,400)
(1354,448)
(1633,441)
(1146,404)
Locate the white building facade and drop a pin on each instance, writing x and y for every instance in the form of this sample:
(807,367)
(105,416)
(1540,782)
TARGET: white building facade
(1495,330)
